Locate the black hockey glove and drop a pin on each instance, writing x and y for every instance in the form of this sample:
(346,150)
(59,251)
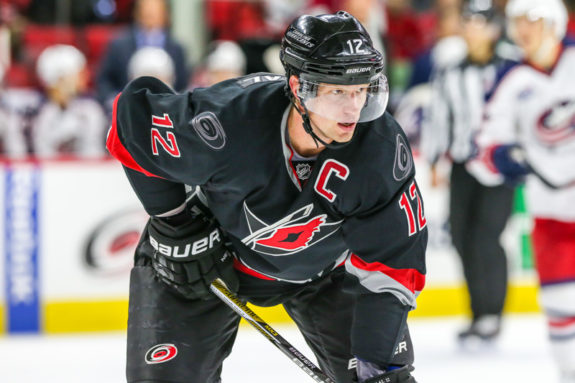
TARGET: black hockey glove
(510,162)
(190,255)
(400,375)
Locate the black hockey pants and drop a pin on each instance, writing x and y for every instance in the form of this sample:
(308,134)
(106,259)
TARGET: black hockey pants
(478,215)
(171,339)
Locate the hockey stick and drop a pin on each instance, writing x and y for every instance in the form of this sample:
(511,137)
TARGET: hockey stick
(548,183)
(230,299)
(519,155)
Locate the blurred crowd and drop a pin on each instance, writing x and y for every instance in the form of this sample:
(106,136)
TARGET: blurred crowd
(63,62)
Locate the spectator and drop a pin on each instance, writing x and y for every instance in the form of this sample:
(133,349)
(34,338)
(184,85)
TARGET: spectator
(150,28)
(153,62)
(67,124)
(477,213)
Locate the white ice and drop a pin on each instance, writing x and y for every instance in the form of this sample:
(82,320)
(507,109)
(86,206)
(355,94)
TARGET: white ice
(521,356)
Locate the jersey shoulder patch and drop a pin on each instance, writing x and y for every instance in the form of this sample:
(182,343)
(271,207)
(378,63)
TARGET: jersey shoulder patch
(387,153)
(403,160)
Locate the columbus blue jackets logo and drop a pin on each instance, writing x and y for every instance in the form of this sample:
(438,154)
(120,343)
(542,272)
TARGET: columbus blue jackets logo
(291,234)
(558,123)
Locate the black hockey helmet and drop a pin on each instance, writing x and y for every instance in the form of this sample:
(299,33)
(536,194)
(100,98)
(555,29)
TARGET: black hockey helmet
(334,50)
(330,48)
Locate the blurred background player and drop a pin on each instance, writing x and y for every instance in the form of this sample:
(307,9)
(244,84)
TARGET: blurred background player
(225,60)
(67,124)
(153,62)
(150,28)
(529,130)
(477,213)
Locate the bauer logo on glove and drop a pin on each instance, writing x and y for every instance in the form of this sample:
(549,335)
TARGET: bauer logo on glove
(197,247)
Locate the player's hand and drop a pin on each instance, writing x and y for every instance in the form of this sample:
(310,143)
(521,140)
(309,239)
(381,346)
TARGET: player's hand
(510,162)
(399,375)
(189,256)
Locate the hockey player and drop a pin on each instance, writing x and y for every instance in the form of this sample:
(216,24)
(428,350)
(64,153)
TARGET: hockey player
(315,203)
(67,122)
(529,130)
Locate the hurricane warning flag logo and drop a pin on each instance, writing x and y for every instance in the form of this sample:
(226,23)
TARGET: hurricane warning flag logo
(161,353)
(291,234)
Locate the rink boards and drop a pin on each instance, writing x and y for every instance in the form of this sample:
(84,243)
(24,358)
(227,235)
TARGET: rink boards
(69,229)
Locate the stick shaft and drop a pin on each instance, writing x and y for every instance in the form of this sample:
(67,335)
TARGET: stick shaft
(549,183)
(218,288)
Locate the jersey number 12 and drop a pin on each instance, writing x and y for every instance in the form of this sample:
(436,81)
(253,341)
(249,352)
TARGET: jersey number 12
(170,145)
(411,216)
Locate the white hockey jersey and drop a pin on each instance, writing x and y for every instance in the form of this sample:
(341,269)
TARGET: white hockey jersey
(535,109)
(77,130)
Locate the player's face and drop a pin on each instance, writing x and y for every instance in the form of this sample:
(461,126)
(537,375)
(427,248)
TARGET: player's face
(529,34)
(337,111)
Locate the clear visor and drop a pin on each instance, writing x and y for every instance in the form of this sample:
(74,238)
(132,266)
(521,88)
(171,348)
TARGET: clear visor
(346,103)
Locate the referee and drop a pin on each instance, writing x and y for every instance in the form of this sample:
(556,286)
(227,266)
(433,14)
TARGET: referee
(478,214)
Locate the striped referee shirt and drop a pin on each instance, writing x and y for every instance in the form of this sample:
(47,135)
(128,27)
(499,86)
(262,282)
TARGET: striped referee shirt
(455,114)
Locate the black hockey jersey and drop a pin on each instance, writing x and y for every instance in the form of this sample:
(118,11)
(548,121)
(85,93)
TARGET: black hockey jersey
(360,206)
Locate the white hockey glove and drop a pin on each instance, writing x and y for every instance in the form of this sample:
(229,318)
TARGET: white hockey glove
(189,256)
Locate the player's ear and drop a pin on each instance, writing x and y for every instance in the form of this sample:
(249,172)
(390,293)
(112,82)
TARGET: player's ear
(294,85)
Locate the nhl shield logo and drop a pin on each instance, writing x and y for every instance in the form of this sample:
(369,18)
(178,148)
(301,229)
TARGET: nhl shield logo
(291,234)
(303,171)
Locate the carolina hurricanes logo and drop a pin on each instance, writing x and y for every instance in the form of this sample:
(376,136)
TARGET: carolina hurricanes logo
(557,123)
(161,353)
(289,235)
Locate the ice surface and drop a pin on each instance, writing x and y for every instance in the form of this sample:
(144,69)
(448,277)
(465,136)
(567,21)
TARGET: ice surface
(520,356)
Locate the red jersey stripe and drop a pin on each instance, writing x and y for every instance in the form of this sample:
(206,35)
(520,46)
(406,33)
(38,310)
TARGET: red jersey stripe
(118,150)
(246,270)
(410,278)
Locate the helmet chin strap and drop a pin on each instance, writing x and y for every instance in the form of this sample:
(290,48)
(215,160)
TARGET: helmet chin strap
(309,130)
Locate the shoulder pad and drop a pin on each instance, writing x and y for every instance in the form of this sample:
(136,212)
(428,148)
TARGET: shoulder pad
(502,72)
(150,83)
